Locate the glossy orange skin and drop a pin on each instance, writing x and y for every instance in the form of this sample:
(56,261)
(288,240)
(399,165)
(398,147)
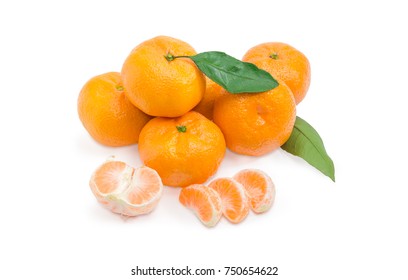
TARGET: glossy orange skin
(182,158)
(256,123)
(160,87)
(107,114)
(206,105)
(285,63)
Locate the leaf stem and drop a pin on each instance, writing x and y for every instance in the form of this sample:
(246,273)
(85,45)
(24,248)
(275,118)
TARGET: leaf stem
(171,57)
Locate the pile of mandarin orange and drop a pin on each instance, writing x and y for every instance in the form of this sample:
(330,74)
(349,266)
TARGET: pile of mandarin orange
(183,122)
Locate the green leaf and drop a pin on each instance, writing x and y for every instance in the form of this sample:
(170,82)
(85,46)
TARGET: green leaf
(232,74)
(306,143)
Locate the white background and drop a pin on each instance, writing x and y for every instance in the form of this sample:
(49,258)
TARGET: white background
(53,228)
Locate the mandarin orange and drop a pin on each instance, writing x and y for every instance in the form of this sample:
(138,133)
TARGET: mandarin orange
(158,86)
(256,123)
(285,63)
(107,114)
(185,150)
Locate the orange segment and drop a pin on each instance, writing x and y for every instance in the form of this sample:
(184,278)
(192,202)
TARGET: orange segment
(125,190)
(259,188)
(110,177)
(234,201)
(146,183)
(205,202)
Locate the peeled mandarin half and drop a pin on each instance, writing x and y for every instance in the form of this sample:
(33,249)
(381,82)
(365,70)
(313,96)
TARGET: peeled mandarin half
(125,190)
(235,205)
(259,188)
(204,201)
